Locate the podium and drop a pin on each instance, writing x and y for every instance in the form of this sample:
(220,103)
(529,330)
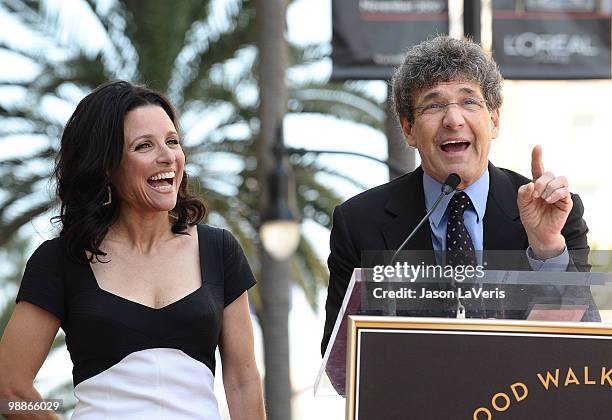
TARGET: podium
(401,349)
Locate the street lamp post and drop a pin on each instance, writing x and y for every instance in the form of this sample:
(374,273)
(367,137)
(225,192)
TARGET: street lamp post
(301,152)
(280,227)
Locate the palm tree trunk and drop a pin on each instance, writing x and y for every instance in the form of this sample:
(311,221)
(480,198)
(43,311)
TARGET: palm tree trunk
(275,276)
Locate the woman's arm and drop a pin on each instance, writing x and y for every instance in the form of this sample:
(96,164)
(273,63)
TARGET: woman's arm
(23,348)
(240,375)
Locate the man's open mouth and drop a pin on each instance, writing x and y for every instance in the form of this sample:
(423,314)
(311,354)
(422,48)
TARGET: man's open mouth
(454,146)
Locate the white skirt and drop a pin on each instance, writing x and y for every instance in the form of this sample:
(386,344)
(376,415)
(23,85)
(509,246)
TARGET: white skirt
(158,383)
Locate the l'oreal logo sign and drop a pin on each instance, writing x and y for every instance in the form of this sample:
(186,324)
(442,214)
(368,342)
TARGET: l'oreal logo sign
(550,46)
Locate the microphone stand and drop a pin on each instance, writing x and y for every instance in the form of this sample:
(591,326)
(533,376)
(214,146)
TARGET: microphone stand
(449,186)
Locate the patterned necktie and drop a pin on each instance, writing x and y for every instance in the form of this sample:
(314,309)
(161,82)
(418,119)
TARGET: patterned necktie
(459,246)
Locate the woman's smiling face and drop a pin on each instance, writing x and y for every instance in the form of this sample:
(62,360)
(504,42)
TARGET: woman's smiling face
(152,163)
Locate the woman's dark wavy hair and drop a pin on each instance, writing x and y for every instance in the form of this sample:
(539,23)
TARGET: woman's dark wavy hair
(90,154)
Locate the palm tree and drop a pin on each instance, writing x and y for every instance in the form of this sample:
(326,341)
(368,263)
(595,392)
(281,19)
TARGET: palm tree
(202,54)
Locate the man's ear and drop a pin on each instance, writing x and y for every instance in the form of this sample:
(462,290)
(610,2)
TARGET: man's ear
(495,123)
(407,128)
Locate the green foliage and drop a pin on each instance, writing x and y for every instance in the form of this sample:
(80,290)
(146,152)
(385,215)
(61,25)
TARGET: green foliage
(202,54)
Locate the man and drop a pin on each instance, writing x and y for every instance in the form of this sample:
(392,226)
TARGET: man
(447,95)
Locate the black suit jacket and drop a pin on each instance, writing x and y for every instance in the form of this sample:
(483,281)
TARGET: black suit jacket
(382,217)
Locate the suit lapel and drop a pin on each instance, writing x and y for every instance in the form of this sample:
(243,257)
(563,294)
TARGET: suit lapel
(502,228)
(406,207)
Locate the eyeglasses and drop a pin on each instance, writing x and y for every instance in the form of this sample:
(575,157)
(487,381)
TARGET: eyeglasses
(440,108)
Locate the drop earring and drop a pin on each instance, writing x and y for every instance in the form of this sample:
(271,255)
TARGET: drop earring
(109,199)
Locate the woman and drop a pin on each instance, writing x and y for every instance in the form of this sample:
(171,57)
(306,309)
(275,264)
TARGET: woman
(143,293)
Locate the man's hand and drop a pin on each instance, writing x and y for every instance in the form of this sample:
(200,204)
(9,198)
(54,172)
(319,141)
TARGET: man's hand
(544,205)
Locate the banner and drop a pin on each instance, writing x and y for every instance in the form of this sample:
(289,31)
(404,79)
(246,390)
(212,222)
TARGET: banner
(370,36)
(552,39)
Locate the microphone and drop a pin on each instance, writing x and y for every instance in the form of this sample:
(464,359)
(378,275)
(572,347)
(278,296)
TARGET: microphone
(450,185)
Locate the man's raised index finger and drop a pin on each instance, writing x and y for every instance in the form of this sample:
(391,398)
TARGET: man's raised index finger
(537,166)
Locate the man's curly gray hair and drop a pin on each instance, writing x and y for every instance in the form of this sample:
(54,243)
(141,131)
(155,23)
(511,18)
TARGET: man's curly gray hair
(444,59)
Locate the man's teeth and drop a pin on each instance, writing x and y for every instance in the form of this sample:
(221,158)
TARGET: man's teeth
(163,175)
(453,142)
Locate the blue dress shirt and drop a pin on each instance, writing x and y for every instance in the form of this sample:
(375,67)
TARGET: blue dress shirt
(473,217)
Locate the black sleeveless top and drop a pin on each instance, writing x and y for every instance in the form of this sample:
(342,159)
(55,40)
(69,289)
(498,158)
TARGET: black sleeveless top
(102,328)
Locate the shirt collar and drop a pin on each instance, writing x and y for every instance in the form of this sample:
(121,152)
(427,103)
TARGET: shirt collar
(477,191)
